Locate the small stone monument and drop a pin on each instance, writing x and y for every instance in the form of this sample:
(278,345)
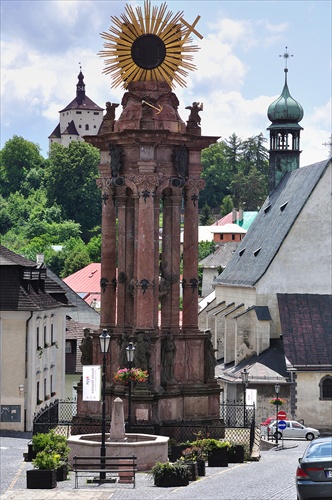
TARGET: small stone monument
(117,432)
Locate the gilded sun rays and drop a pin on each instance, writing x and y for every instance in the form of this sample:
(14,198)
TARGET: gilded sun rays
(151,45)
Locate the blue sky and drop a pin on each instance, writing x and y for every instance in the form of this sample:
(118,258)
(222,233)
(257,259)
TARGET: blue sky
(239,71)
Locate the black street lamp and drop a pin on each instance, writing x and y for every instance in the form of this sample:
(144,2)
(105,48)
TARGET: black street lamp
(245,377)
(104,340)
(277,390)
(130,350)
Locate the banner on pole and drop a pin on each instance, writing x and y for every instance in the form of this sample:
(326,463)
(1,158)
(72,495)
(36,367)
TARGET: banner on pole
(91,382)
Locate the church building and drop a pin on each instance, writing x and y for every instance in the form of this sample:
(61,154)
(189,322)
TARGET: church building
(79,118)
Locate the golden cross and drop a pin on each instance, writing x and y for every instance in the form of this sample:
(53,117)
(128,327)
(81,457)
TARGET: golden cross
(191,27)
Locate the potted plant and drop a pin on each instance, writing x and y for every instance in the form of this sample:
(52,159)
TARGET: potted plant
(278,401)
(53,443)
(193,456)
(216,451)
(176,449)
(167,474)
(127,375)
(235,454)
(43,476)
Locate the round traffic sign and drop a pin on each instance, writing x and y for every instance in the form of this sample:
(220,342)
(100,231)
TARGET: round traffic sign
(281,415)
(282,425)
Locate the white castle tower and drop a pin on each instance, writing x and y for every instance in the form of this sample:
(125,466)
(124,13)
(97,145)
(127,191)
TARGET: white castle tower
(79,118)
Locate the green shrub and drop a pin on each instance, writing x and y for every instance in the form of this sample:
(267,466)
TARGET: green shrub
(162,470)
(46,461)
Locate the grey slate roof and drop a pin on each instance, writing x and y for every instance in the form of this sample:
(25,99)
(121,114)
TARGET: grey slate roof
(221,256)
(271,226)
(24,286)
(306,323)
(263,367)
(80,311)
(87,103)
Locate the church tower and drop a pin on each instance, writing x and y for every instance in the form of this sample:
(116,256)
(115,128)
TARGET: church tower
(80,117)
(285,113)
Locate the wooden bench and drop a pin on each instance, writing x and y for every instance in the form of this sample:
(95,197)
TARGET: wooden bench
(122,468)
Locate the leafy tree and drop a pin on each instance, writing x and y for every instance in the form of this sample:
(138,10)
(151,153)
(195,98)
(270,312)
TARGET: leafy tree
(249,191)
(206,217)
(21,166)
(255,155)
(205,248)
(70,181)
(235,168)
(226,206)
(75,256)
(216,175)
(233,149)
(94,248)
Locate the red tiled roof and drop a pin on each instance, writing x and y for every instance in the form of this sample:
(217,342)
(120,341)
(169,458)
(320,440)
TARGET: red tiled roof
(86,280)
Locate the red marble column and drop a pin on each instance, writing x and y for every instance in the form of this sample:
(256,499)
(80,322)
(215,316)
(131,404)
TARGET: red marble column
(121,309)
(190,256)
(145,285)
(156,260)
(108,256)
(175,264)
(166,263)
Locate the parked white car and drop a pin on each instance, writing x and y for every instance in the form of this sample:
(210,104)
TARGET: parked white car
(294,430)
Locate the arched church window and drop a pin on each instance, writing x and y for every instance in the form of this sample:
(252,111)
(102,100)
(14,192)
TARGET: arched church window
(325,386)
(86,127)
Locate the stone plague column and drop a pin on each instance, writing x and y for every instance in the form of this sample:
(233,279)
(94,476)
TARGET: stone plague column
(153,173)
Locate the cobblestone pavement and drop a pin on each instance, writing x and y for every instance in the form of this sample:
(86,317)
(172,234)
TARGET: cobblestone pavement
(271,478)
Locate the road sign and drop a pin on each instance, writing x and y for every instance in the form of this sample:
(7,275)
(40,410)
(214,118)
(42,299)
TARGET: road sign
(282,415)
(282,425)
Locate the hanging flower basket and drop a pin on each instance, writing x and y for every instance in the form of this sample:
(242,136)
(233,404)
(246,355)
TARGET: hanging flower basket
(278,401)
(127,375)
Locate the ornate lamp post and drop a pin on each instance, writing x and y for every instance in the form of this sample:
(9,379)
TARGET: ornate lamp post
(104,340)
(130,350)
(245,377)
(277,390)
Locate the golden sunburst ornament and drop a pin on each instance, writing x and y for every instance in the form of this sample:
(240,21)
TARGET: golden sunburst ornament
(153,45)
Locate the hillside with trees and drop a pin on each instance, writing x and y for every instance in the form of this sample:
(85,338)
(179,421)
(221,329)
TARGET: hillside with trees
(53,206)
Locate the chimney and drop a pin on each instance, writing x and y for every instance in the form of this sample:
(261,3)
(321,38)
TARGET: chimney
(234,215)
(40,259)
(241,215)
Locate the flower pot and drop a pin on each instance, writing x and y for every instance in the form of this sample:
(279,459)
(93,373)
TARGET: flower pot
(168,481)
(62,472)
(31,453)
(201,467)
(192,467)
(41,479)
(236,455)
(218,458)
(176,452)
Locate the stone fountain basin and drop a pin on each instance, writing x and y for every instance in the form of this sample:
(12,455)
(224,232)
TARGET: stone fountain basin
(148,448)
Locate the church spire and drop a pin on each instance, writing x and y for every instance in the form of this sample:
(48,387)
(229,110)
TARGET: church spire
(285,114)
(80,87)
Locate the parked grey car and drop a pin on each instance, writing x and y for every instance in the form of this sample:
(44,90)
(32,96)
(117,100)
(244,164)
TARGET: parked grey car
(314,473)
(294,430)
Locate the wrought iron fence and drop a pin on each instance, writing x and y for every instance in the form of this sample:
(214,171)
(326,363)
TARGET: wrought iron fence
(57,415)
(237,415)
(239,424)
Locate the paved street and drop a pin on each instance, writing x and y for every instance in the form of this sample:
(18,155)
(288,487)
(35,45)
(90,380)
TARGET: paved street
(271,478)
